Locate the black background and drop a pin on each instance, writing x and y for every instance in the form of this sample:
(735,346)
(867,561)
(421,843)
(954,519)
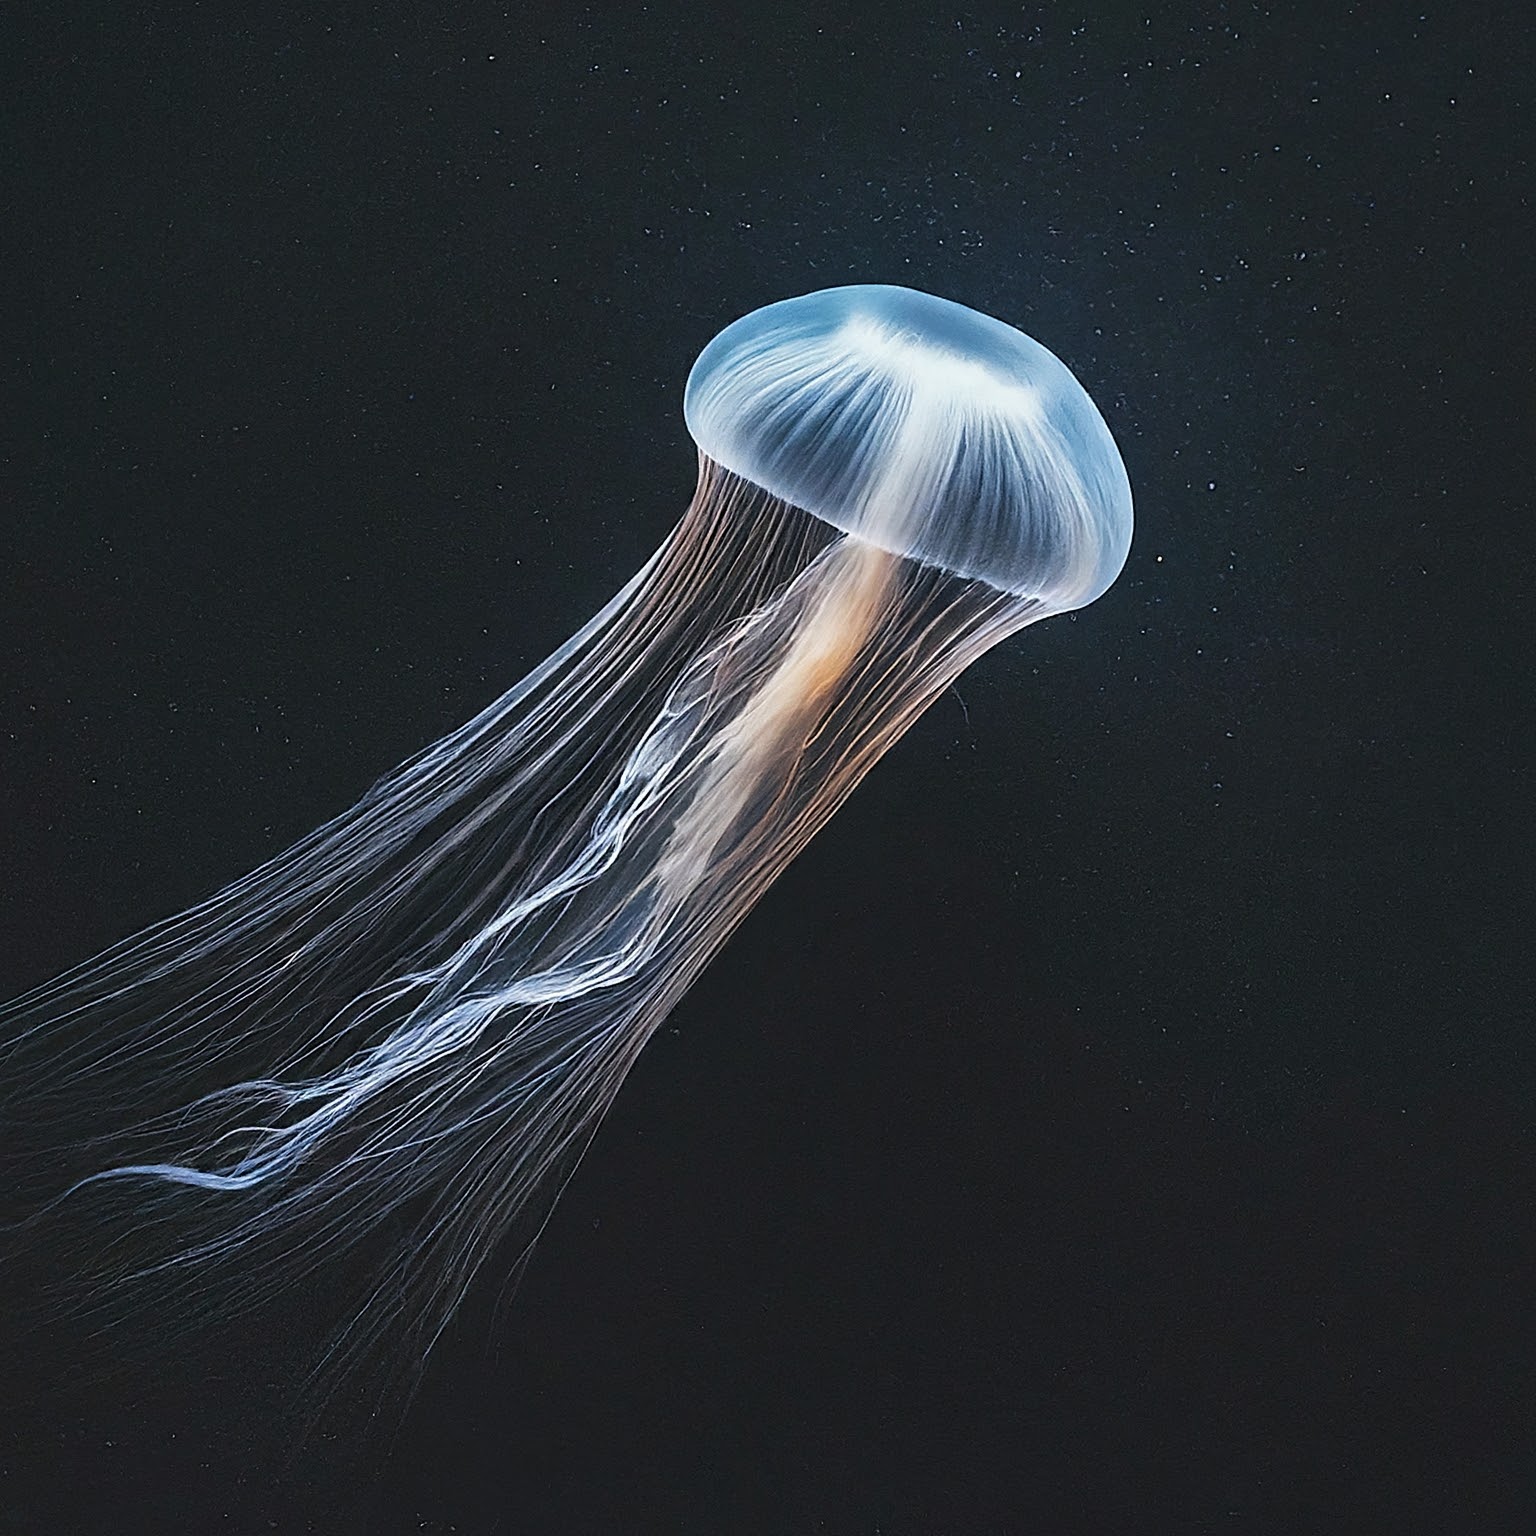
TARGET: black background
(1120,1119)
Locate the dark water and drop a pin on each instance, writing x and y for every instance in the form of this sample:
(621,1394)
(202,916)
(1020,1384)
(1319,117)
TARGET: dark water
(1120,1119)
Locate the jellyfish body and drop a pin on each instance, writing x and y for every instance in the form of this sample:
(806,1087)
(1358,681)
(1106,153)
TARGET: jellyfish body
(421,1012)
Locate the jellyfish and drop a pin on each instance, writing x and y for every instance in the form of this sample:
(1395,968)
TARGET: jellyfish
(413,1021)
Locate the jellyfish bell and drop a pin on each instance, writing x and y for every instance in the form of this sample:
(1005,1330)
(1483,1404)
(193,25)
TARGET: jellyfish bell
(413,1021)
(925,428)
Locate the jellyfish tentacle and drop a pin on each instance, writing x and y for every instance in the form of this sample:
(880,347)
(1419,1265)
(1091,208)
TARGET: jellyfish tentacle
(421,1012)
